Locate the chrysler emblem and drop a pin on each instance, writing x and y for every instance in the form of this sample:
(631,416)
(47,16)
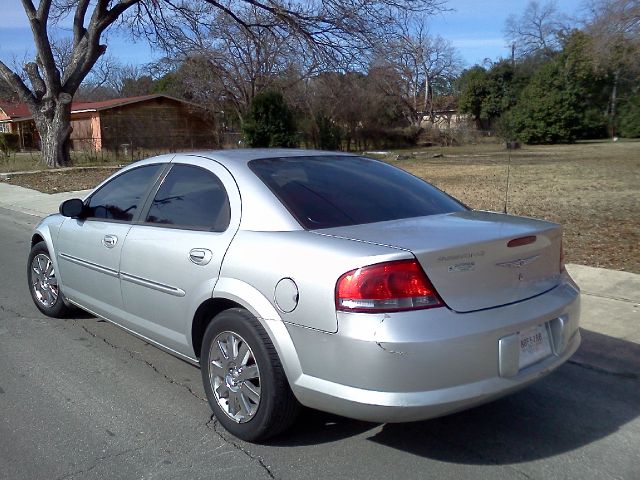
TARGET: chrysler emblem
(521,262)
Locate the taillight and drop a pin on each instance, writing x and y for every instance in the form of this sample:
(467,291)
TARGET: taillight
(386,287)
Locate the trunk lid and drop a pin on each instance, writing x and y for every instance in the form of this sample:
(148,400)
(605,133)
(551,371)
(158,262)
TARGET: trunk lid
(466,256)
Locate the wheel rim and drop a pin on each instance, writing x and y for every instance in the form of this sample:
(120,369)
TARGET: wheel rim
(44,283)
(234,376)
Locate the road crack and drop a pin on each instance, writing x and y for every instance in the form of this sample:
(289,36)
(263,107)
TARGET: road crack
(171,380)
(11,311)
(97,462)
(213,424)
(604,371)
(520,472)
(149,364)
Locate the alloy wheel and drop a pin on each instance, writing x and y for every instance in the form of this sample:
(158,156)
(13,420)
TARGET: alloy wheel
(234,376)
(43,280)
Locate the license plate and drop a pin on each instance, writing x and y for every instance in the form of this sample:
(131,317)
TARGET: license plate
(534,345)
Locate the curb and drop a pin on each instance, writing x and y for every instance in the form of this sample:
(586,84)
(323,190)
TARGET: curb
(7,175)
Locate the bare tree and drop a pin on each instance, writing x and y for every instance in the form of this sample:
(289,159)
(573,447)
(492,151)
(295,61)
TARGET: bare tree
(336,25)
(613,27)
(537,31)
(7,93)
(110,79)
(346,105)
(415,62)
(129,80)
(100,84)
(52,84)
(222,62)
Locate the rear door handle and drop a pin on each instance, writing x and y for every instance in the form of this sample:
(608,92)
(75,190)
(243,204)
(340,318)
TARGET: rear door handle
(200,256)
(110,241)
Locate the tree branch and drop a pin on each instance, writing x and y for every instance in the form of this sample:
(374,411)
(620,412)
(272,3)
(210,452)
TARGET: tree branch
(29,8)
(87,48)
(44,8)
(17,84)
(39,85)
(38,22)
(108,17)
(78,21)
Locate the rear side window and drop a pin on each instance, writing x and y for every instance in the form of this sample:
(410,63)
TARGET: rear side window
(326,191)
(120,198)
(191,197)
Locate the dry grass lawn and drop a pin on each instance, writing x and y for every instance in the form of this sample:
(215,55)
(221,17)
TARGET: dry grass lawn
(592,189)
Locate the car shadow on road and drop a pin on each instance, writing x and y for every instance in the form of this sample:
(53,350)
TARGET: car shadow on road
(313,427)
(78,314)
(587,399)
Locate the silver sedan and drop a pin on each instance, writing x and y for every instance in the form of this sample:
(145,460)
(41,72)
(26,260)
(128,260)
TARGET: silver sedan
(311,278)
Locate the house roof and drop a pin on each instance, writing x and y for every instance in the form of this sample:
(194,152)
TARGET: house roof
(117,102)
(20,111)
(14,110)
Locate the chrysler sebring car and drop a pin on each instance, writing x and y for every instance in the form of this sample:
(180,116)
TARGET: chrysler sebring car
(311,278)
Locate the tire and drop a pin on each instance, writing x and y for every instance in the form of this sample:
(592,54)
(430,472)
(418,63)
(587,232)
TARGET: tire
(43,283)
(244,379)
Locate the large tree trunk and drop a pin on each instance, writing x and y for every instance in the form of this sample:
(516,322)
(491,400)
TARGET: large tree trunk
(53,122)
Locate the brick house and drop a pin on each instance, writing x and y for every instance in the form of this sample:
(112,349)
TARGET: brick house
(153,122)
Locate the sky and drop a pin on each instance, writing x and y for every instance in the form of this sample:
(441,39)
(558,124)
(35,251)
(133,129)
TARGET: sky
(474,27)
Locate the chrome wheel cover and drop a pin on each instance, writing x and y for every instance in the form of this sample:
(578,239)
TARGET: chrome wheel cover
(234,376)
(44,283)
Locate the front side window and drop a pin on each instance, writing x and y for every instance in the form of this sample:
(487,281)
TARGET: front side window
(120,198)
(191,197)
(335,191)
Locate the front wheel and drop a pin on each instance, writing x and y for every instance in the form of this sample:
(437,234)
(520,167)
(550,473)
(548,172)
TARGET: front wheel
(243,377)
(43,283)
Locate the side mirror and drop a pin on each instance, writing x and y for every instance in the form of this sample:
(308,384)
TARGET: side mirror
(72,208)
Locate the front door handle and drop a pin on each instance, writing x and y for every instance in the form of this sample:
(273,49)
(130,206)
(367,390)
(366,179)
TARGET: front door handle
(110,241)
(200,256)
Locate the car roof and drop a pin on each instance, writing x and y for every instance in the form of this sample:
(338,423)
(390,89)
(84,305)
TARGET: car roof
(245,155)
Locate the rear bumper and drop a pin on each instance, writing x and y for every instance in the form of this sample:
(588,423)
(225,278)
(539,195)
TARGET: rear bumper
(417,365)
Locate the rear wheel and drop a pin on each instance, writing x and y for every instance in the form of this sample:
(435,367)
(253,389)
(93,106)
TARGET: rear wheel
(243,377)
(43,283)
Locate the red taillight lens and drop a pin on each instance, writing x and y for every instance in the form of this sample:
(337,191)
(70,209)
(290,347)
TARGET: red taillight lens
(386,287)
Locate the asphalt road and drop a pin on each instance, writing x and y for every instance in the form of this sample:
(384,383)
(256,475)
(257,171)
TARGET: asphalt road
(81,399)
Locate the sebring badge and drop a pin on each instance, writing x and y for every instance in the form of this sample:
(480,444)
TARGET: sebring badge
(521,262)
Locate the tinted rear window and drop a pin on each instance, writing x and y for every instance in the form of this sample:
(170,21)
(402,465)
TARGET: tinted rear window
(325,192)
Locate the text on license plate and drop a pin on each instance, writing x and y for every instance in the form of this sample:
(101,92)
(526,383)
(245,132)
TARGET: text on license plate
(534,345)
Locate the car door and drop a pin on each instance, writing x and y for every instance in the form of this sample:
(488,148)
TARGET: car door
(88,248)
(171,260)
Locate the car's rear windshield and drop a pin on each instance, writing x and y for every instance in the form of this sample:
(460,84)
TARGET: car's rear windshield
(335,191)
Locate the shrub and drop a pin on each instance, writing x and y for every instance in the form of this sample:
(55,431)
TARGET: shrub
(9,142)
(329,134)
(563,101)
(629,119)
(270,122)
